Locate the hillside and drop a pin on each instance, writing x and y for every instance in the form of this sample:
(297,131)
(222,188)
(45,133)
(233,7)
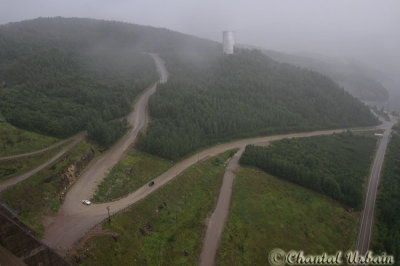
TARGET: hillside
(216,98)
(352,76)
(63,75)
(59,85)
(59,76)
(267,212)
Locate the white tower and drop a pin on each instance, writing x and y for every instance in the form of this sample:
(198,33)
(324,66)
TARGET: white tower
(227,42)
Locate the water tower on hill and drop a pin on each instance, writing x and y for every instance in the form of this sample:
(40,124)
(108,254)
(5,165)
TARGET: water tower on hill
(228,42)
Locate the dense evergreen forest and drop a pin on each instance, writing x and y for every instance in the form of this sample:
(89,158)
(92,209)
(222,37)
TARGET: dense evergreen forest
(61,86)
(334,165)
(387,219)
(216,98)
(60,76)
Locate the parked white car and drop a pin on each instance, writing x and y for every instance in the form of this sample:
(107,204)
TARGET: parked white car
(86,202)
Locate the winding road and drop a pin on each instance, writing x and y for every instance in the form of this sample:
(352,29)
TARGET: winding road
(219,217)
(14,180)
(74,219)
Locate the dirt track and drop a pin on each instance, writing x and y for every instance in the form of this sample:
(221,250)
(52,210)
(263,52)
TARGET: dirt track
(75,219)
(14,180)
(218,219)
(22,155)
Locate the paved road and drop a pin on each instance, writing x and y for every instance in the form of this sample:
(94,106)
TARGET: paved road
(218,219)
(367,219)
(22,155)
(14,180)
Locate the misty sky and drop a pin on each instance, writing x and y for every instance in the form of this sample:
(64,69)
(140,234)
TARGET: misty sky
(365,30)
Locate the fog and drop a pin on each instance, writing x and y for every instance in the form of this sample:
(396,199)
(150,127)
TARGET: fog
(363,30)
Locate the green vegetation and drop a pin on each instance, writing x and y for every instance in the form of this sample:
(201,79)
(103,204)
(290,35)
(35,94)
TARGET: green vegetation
(358,80)
(134,171)
(44,192)
(61,80)
(215,98)
(386,235)
(59,83)
(335,165)
(15,167)
(268,213)
(16,141)
(59,76)
(159,229)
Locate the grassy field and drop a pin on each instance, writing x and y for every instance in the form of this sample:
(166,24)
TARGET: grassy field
(129,174)
(42,193)
(336,165)
(167,227)
(15,167)
(268,213)
(15,141)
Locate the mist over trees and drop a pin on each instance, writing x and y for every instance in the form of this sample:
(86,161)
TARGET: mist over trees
(358,80)
(216,98)
(68,75)
(58,82)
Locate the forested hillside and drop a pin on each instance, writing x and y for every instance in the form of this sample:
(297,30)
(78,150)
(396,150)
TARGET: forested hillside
(352,76)
(216,98)
(386,235)
(335,165)
(58,86)
(59,76)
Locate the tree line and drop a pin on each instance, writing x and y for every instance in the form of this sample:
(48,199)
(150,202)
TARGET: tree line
(386,237)
(60,88)
(211,98)
(336,165)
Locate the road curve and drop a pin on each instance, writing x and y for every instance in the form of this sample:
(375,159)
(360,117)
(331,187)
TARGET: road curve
(218,219)
(75,219)
(367,218)
(14,180)
(66,227)
(22,155)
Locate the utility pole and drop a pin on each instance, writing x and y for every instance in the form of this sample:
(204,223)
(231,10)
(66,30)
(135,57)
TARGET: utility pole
(109,218)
